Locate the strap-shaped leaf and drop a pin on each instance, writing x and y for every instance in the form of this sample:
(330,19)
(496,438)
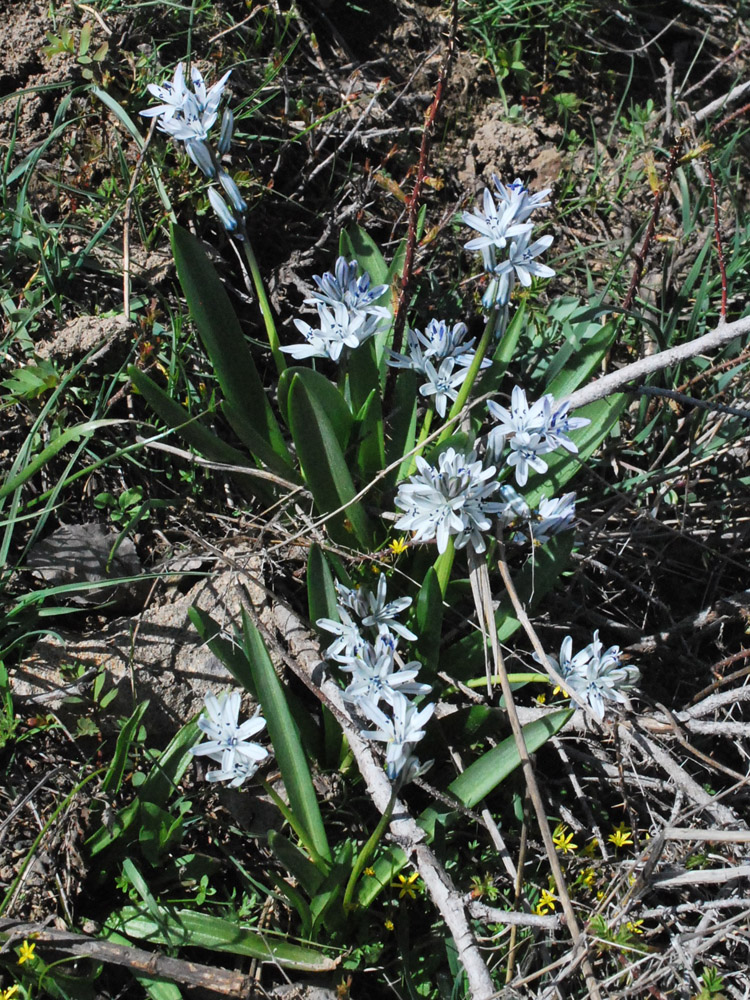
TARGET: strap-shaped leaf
(335,405)
(187,928)
(215,319)
(193,432)
(113,778)
(429,622)
(321,590)
(402,426)
(285,737)
(325,467)
(370,440)
(486,773)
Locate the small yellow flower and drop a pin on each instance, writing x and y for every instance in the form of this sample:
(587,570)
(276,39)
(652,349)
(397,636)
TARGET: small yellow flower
(563,841)
(587,876)
(590,848)
(369,871)
(600,894)
(620,836)
(406,885)
(388,924)
(541,699)
(26,954)
(634,926)
(375,569)
(546,903)
(10,992)
(398,545)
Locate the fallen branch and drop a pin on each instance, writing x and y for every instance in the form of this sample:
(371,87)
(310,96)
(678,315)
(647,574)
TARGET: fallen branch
(139,961)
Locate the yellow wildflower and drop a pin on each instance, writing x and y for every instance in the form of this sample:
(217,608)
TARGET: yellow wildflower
(10,992)
(406,885)
(563,841)
(546,903)
(388,924)
(634,926)
(398,545)
(541,699)
(26,954)
(590,848)
(369,871)
(620,836)
(587,876)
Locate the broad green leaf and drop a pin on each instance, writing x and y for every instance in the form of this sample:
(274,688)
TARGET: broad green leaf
(357,243)
(113,778)
(486,773)
(402,427)
(192,431)
(325,467)
(247,407)
(370,442)
(285,737)
(363,374)
(336,407)
(297,864)
(429,613)
(321,590)
(579,362)
(188,929)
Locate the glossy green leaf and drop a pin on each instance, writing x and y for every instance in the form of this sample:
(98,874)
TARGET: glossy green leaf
(363,374)
(429,613)
(370,441)
(402,427)
(156,989)
(321,589)
(247,407)
(356,243)
(325,467)
(285,738)
(493,377)
(329,396)
(486,773)
(579,362)
(113,778)
(297,864)
(187,928)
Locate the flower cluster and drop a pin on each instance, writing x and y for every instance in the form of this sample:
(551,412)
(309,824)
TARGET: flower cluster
(451,499)
(531,432)
(188,115)
(442,355)
(366,647)
(347,314)
(502,219)
(597,675)
(228,741)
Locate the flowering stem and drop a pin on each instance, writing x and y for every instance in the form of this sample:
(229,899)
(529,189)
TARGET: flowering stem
(444,565)
(366,853)
(468,383)
(265,306)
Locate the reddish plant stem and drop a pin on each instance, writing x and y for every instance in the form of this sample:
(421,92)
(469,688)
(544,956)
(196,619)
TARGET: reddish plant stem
(729,118)
(642,256)
(719,247)
(411,237)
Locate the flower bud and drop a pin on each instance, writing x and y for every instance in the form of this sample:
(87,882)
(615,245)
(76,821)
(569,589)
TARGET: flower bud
(221,208)
(199,153)
(227,128)
(233,192)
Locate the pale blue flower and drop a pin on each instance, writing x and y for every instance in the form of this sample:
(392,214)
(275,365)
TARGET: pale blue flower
(521,260)
(343,285)
(496,225)
(349,641)
(339,328)
(451,499)
(558,424)
(374,674)
(381,614)
(438,343)
(443,384)
(228,742)
(184,114)
(399,733)
(554,515)
(597,676)
(515,199)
